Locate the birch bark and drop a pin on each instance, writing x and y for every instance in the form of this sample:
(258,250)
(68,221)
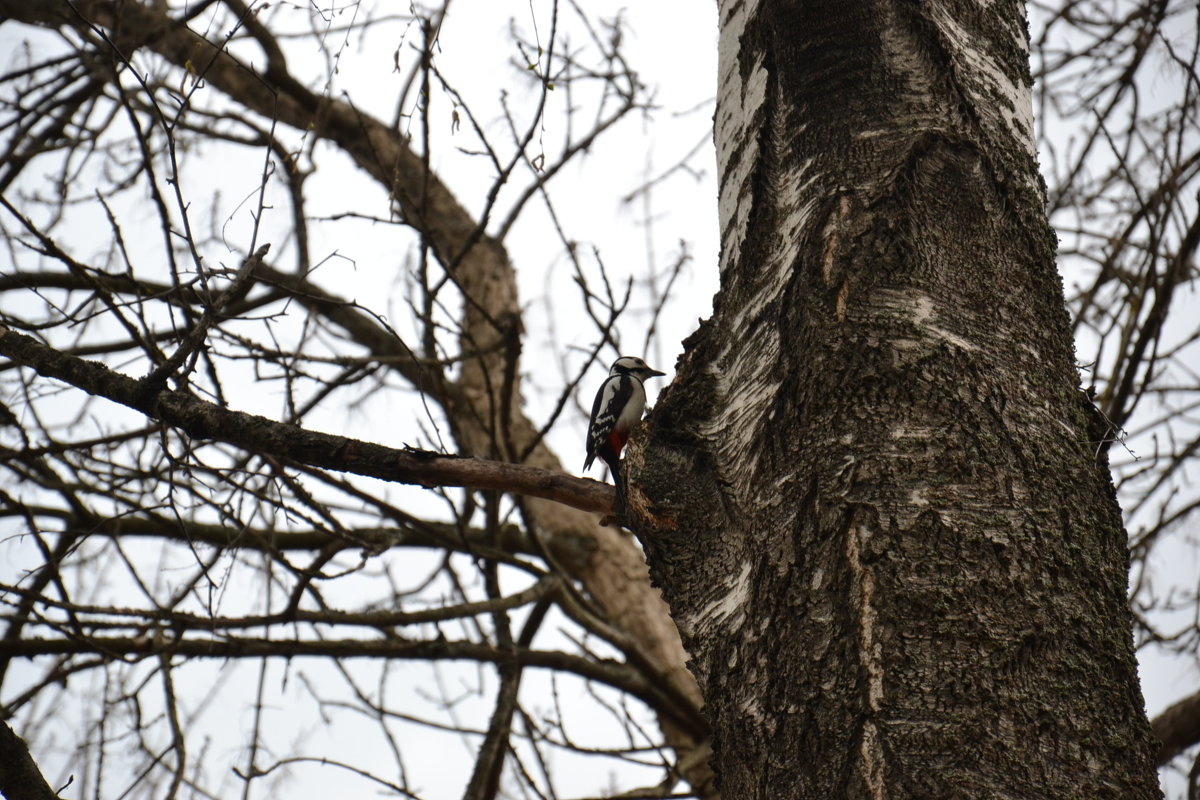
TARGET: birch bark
(872,496)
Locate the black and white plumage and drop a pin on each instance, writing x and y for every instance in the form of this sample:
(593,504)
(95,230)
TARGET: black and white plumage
(618,408)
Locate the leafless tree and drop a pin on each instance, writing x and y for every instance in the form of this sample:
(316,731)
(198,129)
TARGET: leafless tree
(223,583)
(1120,144)
(168,546)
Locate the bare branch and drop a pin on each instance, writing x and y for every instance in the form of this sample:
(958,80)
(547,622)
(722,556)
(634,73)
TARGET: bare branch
(20,778)
(204,420)
(1177,728)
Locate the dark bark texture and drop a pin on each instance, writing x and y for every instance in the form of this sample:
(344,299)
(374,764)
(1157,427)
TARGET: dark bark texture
(873,496)
(20,778)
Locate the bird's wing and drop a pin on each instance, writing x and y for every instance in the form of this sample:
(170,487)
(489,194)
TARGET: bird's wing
(613,395)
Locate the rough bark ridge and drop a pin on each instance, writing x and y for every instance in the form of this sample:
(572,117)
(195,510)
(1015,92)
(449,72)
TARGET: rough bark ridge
(869,496)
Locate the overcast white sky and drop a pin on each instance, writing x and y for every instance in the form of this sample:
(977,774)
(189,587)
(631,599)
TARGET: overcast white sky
(673,46)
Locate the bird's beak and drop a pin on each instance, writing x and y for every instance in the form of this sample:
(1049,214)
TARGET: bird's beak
(653,373)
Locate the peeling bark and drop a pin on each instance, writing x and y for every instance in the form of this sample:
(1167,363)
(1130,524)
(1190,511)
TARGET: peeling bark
(869,496)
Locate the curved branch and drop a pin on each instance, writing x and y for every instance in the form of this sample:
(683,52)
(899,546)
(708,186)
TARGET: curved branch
(1177,728)
(381,151)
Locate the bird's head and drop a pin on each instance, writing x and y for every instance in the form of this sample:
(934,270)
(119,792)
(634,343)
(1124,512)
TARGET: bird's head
(632,365)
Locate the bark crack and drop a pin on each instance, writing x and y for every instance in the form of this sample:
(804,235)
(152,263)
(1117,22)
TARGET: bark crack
(862,597)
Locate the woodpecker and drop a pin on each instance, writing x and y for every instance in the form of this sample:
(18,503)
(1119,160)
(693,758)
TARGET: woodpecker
(618,407)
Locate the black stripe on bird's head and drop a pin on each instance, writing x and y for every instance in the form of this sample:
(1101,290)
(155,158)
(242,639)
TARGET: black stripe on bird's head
(632,365)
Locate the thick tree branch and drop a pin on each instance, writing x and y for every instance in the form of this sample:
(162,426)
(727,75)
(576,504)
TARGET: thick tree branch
(204,420)
(1177,728)
(20,778)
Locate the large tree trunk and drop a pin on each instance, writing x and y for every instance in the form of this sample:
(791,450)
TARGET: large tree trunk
(872,495)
